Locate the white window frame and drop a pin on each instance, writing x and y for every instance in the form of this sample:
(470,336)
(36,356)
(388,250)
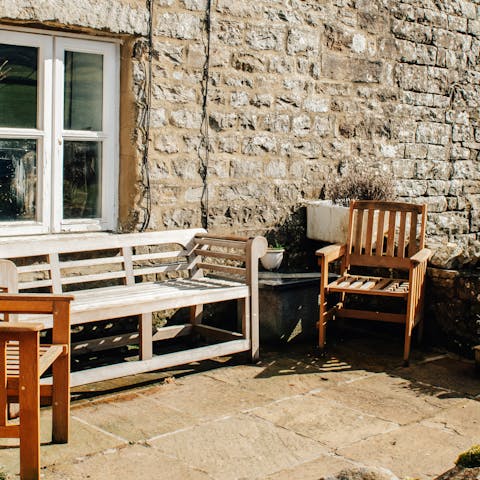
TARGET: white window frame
(50,134)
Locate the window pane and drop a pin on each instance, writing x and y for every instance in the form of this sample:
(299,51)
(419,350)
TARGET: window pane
(81,179)
(83,100)
(18,86)
(18,179)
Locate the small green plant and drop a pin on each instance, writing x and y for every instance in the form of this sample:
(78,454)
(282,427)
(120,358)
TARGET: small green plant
(277,246)
(359,184)
(470,458)
(3,474)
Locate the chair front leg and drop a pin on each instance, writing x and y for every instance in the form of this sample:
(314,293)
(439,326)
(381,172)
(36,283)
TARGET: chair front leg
(61,374)
(322,300)
(29,400)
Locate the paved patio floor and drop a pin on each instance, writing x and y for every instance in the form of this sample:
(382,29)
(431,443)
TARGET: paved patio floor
(295,415)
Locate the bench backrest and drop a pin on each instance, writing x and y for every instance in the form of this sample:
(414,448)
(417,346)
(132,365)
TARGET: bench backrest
(385,234)
(66,263)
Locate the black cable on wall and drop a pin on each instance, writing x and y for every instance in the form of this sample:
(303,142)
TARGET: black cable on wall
(204,146)
(144,125)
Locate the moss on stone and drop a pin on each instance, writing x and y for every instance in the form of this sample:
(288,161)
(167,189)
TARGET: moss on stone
(470,458)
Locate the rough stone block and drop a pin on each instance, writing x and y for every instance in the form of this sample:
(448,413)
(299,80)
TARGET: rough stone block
(452,223)
(277,123)
(220,121)
(238,99)
(262,100)
(186,119)
(249,63)
(301,125)
(259,144)
(184,26)
(466,170)
(416,150)
(276,169)
(158,117)
(166,143)
(228,144)
(260,38)
(194,4)
(317,104)
(412,31)
(462,133)
(438,187)
(302,41)
(435,133)
(246,168)
(174,94)
(114,16)
(436,204)
(459,24)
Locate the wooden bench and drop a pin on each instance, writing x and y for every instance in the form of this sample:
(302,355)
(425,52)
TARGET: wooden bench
(119,275)
(381,235)
(22,361)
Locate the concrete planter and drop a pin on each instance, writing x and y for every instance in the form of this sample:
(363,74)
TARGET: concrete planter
(272,259)
(327,222)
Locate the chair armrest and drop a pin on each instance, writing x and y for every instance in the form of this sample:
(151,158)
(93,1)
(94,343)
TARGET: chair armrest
(421,256)
(332,252)
(20,327)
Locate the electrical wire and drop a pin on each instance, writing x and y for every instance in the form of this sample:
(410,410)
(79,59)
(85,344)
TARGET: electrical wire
(204,145)
(144,126)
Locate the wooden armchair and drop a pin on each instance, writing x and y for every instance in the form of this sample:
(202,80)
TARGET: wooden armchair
(22,361)
(381,235)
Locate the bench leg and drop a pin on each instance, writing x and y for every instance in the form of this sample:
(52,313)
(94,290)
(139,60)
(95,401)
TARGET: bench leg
(29,399)
(145,329)
(196,314)
(249,330)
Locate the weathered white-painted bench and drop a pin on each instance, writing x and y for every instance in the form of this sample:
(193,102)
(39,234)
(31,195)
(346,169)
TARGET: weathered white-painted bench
(120,275)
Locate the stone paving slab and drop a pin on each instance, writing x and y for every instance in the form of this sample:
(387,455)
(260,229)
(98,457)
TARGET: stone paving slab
(390,398)
(239,447)
(454,375)
(415,451)
(328,422)
(274,379)
(133,417)
(137,462)
(462,419)
(84,440)
(324,465)
(206,398)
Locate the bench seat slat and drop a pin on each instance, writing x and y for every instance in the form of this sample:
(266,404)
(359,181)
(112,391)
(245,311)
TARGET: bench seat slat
(114,302)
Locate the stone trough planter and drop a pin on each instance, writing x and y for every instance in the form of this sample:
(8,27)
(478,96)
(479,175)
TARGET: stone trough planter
(327,222)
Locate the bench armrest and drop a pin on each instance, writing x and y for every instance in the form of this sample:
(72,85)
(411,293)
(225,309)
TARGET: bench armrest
(332,252)
(421,256)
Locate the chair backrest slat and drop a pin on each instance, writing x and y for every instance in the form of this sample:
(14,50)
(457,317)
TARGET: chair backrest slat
(380,233)
(401,234)
(412,242)
(392,217)
(369,239)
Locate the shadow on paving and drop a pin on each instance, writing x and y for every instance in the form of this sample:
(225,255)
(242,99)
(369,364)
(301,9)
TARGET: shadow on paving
(350,354)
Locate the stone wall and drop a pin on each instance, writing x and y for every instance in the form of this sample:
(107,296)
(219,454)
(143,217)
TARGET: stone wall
(297,90)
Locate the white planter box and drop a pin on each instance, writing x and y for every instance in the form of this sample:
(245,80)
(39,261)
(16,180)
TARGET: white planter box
(327,222)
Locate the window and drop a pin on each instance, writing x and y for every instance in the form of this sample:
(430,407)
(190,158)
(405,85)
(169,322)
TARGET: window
(58,133)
